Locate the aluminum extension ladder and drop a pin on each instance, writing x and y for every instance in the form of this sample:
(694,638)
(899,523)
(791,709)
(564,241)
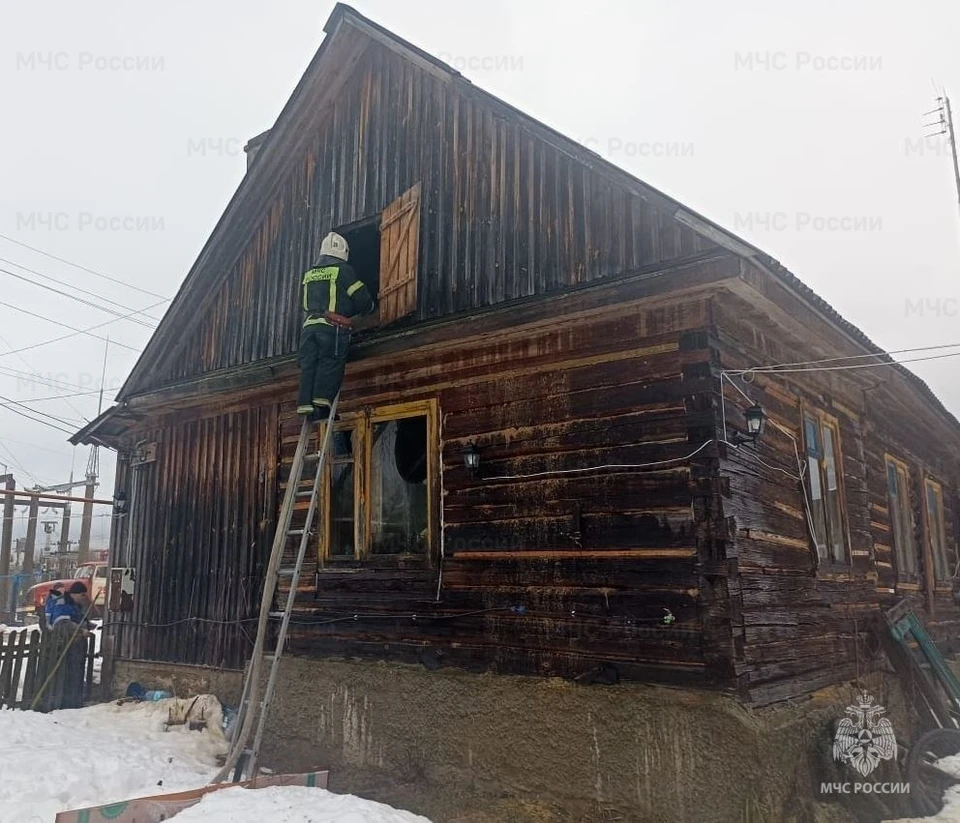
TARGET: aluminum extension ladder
(241,758)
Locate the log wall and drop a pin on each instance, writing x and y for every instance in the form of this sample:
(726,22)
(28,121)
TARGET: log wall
(803,622)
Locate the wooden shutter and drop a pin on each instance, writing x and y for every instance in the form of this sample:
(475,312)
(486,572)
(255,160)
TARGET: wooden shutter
(399,246)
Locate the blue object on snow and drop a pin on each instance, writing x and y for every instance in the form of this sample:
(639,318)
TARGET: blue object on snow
(229,716)
(157,694)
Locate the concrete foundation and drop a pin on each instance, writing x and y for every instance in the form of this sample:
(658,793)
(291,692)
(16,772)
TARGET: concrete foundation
(181,680)
(467,748)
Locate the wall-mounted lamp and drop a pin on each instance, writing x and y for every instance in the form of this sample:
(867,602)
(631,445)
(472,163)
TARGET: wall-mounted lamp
(471,458)
(756,417)
(120,503)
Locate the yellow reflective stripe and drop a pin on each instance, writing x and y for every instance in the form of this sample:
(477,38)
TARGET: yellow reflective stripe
(327,273)
(333,292)
(321,401)
(312,321)
(354,288)
(304,409)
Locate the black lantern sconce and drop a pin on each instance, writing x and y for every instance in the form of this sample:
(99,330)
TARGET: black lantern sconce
(120,503)
(471,459)
(756,418)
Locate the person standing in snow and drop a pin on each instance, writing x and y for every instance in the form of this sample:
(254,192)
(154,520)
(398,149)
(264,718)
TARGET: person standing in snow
(67,644)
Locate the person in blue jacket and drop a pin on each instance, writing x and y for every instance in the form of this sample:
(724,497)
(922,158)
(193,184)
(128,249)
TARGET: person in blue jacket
(70,607)
(66,620)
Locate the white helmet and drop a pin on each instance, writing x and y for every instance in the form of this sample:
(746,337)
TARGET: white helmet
(335,246)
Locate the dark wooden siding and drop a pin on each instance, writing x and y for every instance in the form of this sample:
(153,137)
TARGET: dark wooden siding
(560,397)
(799,624)
(505,214)
(203,522)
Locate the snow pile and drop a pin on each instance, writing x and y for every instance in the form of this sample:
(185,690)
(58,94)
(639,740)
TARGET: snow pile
(108,753)
(290,804)
(102,754)
(950,813)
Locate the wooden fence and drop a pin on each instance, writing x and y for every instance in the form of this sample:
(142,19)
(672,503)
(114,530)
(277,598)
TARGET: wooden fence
(34,667)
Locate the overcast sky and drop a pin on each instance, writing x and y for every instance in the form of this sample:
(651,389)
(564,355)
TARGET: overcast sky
(798,126)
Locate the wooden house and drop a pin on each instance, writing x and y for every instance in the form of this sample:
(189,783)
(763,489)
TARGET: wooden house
(587,336)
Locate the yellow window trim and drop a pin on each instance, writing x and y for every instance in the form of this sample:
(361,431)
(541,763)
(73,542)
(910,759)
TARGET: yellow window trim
(361,423)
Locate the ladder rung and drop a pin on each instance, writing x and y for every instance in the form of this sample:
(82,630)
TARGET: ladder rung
(311,456)
(275,614)
(295,532)
(307,493)
(286,571)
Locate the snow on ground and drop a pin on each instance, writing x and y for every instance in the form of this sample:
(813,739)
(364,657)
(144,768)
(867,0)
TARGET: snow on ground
(290,804)
(101,754)
(104,754)
(950,813)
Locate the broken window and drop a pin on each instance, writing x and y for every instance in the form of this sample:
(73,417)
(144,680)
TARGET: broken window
(380,475)
(824,488)
(398,488)
(937,531)
(901,518)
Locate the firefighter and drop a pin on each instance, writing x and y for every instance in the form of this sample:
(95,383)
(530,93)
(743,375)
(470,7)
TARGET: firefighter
(332,295)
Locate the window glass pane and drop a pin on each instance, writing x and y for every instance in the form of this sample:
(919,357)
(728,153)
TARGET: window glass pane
(813,437)
(342,533)
(398,486)
(834,515)
(935,525)
(817,512)
(901,520)
(906,523)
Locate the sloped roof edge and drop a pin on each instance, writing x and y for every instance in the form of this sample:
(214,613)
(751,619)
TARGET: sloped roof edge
(343,14)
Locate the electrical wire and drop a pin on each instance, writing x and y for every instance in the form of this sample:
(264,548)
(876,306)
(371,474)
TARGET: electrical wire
(60,396)
(72,328)
(9,402)
(842,359)
(33,377)
(131,311)
(27,364)
(747,373)
(666,620)
(38,420)
(83,268)
(58,452)
(696,451)
(17,464)
(72,334)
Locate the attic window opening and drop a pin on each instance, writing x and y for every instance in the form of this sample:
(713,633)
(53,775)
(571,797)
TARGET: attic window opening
(363,239)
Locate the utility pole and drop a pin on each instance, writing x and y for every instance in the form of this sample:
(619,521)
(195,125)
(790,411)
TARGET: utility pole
(944,125)
(93,471)
(6,542)
(31,545)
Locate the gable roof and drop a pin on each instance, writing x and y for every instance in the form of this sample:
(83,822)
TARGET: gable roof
(347,34)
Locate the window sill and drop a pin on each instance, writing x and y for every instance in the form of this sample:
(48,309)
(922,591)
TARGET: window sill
(373,563)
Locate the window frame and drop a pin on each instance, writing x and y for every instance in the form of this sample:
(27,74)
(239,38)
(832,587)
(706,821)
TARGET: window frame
(824,420)
(362,423)
(902,469)
(942,556)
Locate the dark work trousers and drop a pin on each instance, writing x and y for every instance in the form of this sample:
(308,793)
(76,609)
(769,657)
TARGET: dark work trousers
(322,358)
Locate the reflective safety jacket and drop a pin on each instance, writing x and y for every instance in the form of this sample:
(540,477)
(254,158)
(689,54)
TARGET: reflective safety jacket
(333,286)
